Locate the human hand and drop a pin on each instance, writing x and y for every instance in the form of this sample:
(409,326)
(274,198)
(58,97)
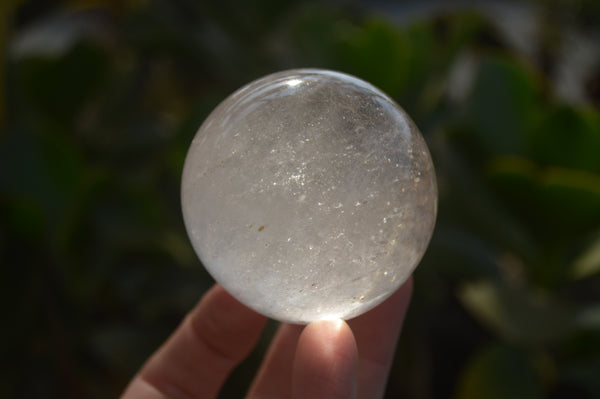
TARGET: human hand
(325,359)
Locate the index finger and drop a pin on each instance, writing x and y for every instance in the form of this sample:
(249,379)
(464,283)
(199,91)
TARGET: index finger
(195,361)
(376,334)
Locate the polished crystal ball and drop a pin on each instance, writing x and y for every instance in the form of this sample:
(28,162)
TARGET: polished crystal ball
(309,194)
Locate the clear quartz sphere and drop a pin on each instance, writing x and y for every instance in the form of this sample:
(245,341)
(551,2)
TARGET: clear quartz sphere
(309,194)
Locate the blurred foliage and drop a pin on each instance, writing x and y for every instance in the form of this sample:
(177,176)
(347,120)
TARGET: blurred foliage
(100,100)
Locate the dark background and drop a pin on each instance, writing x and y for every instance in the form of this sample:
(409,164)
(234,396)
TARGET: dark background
(99,101)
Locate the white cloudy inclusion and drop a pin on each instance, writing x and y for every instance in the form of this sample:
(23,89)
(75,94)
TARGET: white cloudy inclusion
(309,194)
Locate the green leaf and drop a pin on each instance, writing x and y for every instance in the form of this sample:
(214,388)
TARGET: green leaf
(583,377)
(572,197)
(75,75)
(517,315)
(42,177)
(378,53)
(589,318)
(588,262)
(499,372)
(516,179)
(567,137)
(502,105)
(559,201)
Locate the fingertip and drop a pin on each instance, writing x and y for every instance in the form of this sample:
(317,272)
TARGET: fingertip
(327,328)
(326,362)
(333,335)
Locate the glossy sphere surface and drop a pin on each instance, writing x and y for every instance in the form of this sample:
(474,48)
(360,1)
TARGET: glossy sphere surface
(309,194)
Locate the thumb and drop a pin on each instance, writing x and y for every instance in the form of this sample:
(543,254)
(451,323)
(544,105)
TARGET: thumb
(326,362)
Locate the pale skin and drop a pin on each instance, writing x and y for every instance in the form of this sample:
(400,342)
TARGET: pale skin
(330,359)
